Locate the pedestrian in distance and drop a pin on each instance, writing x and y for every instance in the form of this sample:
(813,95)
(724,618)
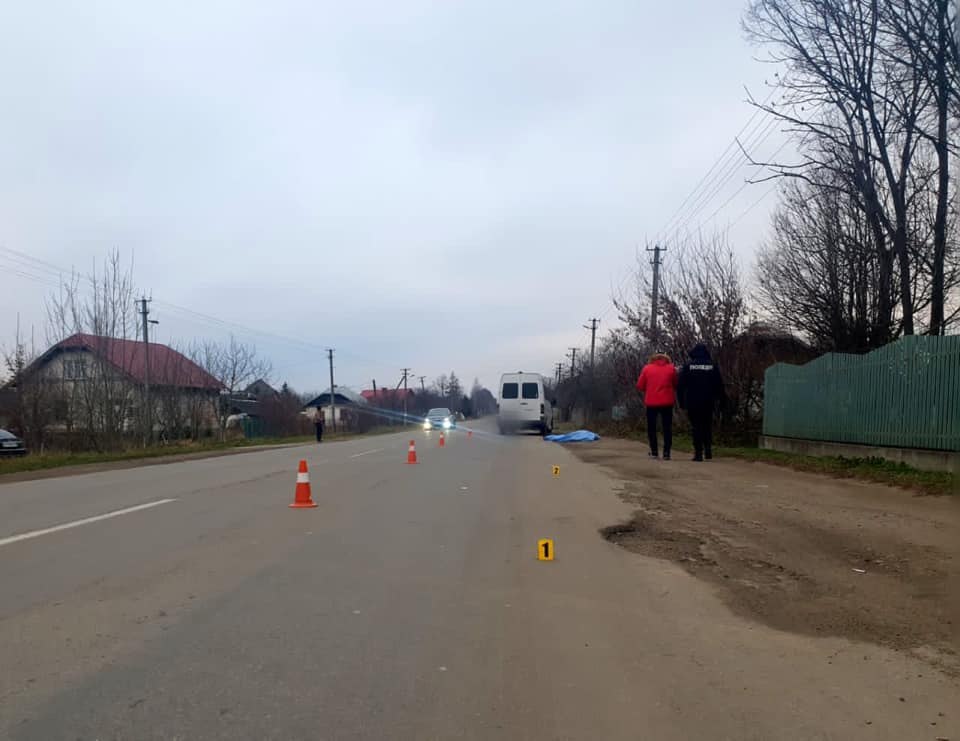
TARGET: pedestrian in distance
(699,390)
(658,382)
(318,424)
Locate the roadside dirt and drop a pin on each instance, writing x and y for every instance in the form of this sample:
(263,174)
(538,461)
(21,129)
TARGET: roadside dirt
(800,552)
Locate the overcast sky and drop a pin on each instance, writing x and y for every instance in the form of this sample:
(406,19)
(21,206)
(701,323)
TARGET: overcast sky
(440,185)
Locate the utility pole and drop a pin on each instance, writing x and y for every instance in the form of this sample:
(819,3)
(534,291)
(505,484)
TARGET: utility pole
(593,345)
(559,372)
(423,387)
(656,262)
(374,390)
(147,411)
(333,403)
(573,361)
(593,338)
(406,374)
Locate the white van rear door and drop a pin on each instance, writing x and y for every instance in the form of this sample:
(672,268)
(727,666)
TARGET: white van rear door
(530,398)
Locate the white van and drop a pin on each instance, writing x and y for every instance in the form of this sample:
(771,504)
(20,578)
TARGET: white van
(524,404)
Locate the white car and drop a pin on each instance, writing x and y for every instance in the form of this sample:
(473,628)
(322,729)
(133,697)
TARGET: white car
(524,404)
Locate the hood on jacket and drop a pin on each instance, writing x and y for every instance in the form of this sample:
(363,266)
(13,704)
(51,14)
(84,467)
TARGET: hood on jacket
(659,356)
(700,354)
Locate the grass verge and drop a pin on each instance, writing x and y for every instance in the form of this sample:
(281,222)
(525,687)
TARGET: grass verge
(45,461)
(876,470)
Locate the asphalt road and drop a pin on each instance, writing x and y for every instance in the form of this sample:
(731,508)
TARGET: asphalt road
(408,605)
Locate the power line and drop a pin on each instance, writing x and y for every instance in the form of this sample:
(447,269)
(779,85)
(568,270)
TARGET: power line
(734,166)
(50,269)
(754,204)
(745,185)
(731,146)
(720,173)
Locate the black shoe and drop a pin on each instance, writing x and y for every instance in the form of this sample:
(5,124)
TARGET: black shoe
(666,456)
(652,455)
(697,459)
(708,454)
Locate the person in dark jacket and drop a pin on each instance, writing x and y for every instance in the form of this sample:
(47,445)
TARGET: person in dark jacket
(318,423)
(699,389)
(657,383)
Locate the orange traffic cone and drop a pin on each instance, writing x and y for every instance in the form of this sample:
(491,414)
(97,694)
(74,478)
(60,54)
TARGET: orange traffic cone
(469,433)
(442,443)
(301,498)
(412,453)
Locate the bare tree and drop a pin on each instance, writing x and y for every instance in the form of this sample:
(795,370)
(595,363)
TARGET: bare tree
(281,413)
(482,400)
(815,278)
(94,390)
(923,38)
(32,412)
(235,365)
(702,299)
(454,393)
(179,399)
(856,98)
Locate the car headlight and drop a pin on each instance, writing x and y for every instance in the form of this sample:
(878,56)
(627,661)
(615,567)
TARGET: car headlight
(446,424)
(426,424)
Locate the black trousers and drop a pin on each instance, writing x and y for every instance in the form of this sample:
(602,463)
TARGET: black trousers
(666,414)
(701,421)
(319,433)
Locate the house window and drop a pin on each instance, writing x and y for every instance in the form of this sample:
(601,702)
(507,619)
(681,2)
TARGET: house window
(74,369)
(60,410)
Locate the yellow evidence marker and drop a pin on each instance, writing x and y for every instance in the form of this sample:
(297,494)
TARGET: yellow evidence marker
(556,470)
(545,550)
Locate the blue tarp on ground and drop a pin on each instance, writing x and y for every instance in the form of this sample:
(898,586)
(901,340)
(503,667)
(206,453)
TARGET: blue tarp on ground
(580,436)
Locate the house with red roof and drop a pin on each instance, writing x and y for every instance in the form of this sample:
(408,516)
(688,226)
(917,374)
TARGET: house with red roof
(99,384)
(389,398)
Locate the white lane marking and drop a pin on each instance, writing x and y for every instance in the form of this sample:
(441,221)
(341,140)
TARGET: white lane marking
(367,452)
(85,521)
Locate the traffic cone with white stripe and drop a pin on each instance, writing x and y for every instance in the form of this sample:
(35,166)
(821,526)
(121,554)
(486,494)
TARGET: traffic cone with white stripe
(442,443)
(412,453)
(301,498)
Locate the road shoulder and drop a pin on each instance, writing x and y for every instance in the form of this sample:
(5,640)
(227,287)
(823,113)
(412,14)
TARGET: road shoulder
(799,552)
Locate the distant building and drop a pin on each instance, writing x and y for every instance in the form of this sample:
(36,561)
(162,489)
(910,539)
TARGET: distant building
(8,408)
(251,403)
(260,389)
(348,404)
(96,383)
(390,398)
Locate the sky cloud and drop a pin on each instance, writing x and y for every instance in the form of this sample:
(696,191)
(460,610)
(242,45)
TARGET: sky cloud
(440,185)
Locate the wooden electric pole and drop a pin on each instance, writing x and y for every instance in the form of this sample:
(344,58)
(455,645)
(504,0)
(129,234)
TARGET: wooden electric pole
(333,403)
(147,409)
(655,304)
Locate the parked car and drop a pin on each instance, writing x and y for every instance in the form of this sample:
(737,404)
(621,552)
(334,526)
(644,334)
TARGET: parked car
(523,404)
(440,418)
(10,444)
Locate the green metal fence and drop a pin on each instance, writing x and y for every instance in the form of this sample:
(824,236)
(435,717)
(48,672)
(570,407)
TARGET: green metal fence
(904,395)
(252,427)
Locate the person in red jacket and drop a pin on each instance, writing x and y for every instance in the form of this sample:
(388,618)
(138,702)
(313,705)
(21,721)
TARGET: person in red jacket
(658,383)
